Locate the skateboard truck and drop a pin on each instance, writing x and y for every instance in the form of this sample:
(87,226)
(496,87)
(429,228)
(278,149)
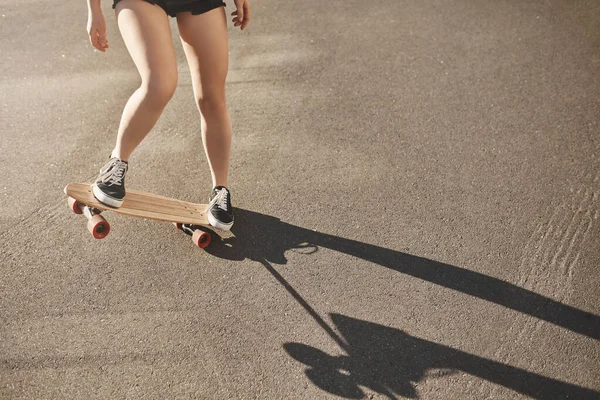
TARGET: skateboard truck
(199,237)
(97,225)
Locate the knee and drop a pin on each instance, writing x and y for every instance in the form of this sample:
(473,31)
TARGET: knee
(159,90)
(212,103)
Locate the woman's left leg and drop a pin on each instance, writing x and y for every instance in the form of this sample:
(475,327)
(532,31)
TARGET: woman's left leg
(205,42)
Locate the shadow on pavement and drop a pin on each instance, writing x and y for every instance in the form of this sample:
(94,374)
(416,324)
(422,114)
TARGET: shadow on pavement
(390,362)
(263,238)
(387,360)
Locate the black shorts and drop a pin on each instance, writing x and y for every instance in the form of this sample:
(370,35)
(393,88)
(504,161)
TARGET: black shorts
(172,7)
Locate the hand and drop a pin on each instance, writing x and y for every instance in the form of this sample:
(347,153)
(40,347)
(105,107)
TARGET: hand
(96,28)
(242,14)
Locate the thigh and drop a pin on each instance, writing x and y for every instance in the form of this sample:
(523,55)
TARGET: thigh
(146,32)
(204,40)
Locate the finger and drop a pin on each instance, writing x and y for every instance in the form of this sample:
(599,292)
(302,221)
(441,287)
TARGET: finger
(102,38)
(99,44)
(240,14)
(236,18)
(246,15)
(95,39)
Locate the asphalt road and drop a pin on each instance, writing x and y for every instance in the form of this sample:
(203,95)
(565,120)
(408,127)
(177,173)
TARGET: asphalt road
(417,186)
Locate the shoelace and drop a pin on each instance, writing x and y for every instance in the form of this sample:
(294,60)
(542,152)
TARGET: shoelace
(220,199)
(114,175)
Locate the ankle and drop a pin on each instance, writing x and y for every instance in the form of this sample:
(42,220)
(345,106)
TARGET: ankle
(119,155)
(220,185)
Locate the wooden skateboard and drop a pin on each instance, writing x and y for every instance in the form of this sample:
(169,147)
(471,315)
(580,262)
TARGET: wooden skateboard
(143,205)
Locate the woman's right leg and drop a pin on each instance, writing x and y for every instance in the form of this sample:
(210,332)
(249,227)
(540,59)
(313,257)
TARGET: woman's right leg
(147,35)
(146,32)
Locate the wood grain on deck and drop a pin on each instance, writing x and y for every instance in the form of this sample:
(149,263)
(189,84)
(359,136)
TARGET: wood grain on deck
(144,205)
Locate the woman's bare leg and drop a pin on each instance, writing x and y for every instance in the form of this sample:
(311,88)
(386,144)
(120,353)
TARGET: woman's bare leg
(205,42)
(147,35)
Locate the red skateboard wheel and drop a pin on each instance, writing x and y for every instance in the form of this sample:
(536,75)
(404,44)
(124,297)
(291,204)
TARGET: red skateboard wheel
(98,226)
(201,238)
(74,205)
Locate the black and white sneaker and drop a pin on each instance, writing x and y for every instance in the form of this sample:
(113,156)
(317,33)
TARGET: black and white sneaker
(109,187)
(220,213)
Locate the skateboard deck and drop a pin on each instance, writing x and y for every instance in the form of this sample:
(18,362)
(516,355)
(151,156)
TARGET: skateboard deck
(141,205)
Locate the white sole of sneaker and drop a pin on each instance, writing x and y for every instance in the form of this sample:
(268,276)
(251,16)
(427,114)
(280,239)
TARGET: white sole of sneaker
(105,199)
(218,224)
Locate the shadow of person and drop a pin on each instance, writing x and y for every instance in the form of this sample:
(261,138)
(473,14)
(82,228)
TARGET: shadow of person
(390,362)
(265,239)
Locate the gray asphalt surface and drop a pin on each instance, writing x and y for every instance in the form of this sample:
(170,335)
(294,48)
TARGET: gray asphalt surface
(417,187)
